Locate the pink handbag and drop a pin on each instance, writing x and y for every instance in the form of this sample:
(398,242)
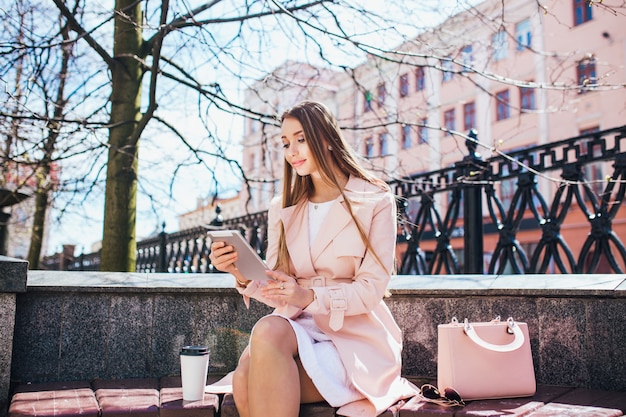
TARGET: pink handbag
(485,360)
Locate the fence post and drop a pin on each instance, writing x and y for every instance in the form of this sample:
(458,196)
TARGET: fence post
(162,264)
(218,221)
(473,173)
(81,259)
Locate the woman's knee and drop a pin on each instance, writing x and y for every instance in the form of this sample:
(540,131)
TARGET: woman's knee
(274,330)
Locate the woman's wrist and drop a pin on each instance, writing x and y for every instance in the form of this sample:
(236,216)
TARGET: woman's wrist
(240,283)
(312,298)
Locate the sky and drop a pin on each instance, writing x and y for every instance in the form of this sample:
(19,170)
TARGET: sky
(82,226)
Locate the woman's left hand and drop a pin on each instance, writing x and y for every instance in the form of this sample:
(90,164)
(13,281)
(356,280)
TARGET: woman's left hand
(285,288)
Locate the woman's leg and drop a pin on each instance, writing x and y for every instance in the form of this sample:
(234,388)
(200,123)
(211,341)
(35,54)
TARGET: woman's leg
(240,387)
(308,392)
(272,382)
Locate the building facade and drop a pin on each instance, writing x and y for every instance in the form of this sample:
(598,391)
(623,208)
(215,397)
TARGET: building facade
(519,73)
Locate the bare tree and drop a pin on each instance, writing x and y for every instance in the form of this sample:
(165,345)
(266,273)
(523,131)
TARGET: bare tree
(158,53)
(35,70)
(133,57)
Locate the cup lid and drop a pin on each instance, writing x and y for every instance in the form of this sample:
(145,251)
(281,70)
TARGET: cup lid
(194,350)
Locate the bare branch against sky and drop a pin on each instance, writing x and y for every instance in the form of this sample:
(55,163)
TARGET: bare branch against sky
(197,60)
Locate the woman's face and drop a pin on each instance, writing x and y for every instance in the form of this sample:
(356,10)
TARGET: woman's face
(296,148)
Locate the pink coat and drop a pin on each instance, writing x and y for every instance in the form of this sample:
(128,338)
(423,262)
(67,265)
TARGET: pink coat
(349,285)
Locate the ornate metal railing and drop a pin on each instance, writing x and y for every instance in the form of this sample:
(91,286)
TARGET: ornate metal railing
(442,226)
(188,251)
(473,179)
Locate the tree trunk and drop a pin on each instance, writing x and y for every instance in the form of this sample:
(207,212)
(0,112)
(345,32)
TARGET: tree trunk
(39,220)
(44,181)
(119,243)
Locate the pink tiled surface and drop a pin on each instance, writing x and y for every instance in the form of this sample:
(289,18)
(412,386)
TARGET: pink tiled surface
(154,397)
(54,399)
(172,404)
(125,398)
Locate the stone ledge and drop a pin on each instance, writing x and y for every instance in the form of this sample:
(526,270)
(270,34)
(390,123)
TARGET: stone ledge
(613,285)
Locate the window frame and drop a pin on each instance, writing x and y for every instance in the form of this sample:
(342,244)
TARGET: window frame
(383,144)
(500,46)
(586,70)
(471,106)
(381,95)
(467,57)
(593,172)
(583,11)
(369,147)
(407,140)
(422,132)
(526,94)
(449,121)
(404,85)
(503,105)
(367,101)
(523,34)
(420,79)
(448,67)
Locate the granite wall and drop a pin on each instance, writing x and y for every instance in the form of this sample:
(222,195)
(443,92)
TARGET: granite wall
(12,281)
(86,325)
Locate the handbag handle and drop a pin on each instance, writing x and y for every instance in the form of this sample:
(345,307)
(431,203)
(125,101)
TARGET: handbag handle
(517,342)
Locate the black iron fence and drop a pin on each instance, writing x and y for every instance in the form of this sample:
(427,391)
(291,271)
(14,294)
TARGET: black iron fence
(545,209)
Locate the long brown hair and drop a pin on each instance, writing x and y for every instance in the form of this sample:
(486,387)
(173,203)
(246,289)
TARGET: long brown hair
(333,155)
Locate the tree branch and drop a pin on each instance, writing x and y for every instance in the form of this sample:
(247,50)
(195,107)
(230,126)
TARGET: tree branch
(82,33)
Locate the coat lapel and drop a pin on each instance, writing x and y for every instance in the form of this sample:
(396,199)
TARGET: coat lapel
(336,219)
(296,222)
(339,217)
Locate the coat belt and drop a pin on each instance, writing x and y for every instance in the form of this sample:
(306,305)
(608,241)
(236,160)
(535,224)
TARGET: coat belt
(338,302)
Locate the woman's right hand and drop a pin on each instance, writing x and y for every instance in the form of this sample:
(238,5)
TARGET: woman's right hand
(223,257)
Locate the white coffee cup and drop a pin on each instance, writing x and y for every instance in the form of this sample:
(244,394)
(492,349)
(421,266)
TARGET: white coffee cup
(194,365)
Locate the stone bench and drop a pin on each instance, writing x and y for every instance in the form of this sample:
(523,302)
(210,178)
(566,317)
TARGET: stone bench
(154,397)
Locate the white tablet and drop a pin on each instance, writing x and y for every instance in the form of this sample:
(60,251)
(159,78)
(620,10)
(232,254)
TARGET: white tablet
(250,263)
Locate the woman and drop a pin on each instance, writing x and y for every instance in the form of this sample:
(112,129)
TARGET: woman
(331,243)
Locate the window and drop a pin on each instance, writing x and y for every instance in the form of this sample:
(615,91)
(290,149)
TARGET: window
(422,131)
(447,66)
(469,116)
(381,94)
(499,45)
(527,98)
(586,74)
(404,85)
(594,172)
(523,35)
(420,77)
(383,144)
(367,102)
(369,147)
(406,136)
(467,57)
(582,12)
(507,191)
(449,121)
(503,110)
(589,131)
